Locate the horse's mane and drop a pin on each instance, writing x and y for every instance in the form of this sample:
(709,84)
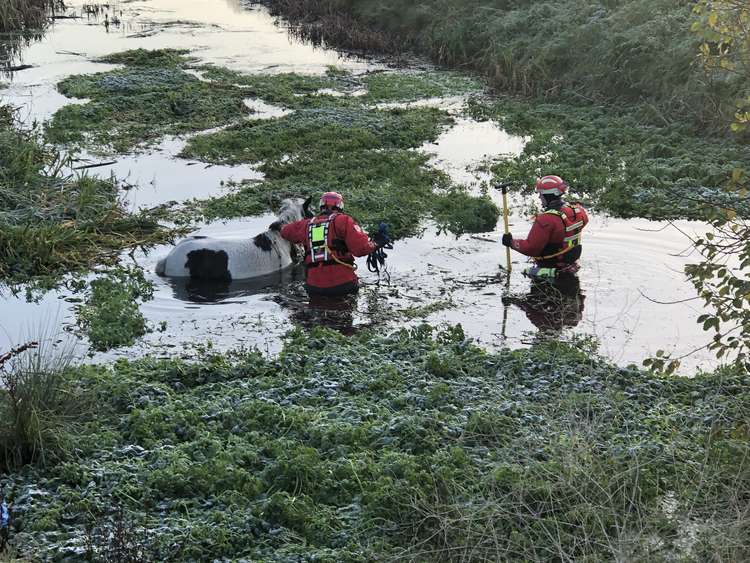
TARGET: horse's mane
(291,210)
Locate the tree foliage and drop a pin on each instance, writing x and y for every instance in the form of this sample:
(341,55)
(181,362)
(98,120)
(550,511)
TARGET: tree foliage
(723,277)
(724,27)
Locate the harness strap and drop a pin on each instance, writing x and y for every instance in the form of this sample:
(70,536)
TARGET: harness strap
(569,242)
(319,252)
(332,262)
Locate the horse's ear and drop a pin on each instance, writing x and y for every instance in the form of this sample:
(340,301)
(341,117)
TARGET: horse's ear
(306,208)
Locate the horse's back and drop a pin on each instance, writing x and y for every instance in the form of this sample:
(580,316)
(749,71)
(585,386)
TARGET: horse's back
(225,259)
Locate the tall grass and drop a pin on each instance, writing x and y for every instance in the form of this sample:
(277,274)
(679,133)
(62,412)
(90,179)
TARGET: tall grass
(639,51)
(37,406)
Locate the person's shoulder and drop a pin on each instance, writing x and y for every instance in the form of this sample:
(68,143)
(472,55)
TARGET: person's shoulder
(548,217)
(295,224)
(344,218)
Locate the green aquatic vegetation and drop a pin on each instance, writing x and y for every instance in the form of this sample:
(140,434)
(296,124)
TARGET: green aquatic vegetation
(52,225)
(157,58)
(110,316)
(395,186)
(289,90)
(411,86)
(157,93)
(329,142)
(422,311)
(618,159)
(396,446)
(319,130)
(137,104)
(459,212)
(358,151)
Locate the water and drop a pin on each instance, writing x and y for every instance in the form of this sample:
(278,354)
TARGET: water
(626,266)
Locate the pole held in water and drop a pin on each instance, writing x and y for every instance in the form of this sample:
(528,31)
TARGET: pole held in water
(504,188)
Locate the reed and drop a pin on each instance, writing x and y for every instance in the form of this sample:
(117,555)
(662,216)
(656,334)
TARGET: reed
(38,408)
(626,52)
(26,15)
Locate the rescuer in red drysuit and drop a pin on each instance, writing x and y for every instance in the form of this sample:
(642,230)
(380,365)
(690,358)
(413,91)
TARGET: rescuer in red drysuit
(331,241)
(554,241)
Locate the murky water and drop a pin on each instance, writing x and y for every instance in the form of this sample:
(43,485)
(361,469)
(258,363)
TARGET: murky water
(627,265)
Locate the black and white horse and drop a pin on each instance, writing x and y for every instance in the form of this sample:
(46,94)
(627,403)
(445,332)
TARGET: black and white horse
(200,257)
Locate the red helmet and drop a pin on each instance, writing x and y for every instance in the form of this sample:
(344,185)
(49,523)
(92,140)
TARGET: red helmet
(551,185)
(333,200)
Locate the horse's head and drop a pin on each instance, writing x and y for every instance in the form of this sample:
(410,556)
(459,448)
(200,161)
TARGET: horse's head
(294,209)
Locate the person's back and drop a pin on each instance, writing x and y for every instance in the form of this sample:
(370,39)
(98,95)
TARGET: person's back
(331,239)
(563,245)
(554,241)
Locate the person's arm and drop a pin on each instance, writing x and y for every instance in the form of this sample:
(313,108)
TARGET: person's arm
(582,211)
(537,239)
(296,232)
(356,239)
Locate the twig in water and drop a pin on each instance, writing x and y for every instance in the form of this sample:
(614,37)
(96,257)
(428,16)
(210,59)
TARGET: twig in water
(16,68)
(483,239)
(97,165)
(668,302)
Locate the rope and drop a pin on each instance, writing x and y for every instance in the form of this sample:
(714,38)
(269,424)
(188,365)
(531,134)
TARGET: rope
(376,259)
(376,263)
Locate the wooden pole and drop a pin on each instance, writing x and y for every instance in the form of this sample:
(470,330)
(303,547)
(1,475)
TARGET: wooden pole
(507,226)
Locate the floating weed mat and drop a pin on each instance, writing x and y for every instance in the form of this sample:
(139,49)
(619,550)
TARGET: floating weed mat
(359,150)
(328,131)
(157,93)
(293,91)
(110,316)
(411,86)
(413,446)
(142,103)
(328,142)
(396,186)
(52,225)
(620,159)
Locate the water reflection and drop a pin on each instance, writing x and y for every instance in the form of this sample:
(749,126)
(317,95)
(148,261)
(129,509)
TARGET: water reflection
(226,292)
(551,306)
(33,27)
(331,312)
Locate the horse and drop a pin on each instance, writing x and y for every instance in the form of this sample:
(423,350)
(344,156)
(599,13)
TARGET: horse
(207,258)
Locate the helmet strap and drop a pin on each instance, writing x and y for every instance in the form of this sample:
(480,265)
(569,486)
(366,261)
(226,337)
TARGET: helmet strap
(552,201)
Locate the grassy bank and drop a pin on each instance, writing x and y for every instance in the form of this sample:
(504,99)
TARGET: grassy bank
(52,224)
(607,51)
(415,446)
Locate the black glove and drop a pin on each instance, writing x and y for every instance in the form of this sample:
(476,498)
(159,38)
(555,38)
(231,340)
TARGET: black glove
(275,226)
(381,239)
(507,239)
